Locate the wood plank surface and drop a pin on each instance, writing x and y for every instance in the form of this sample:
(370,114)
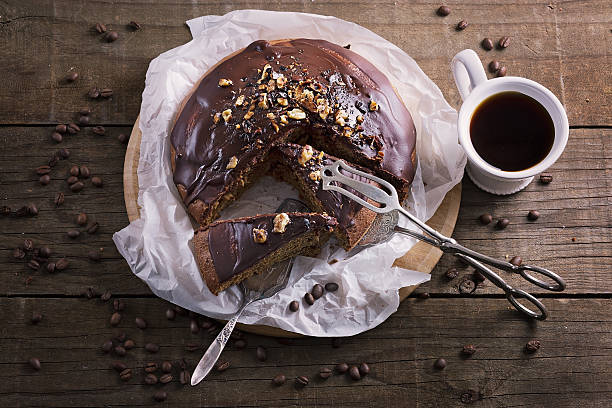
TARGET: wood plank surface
(571,369)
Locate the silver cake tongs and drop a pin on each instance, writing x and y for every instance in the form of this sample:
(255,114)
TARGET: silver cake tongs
(383,198)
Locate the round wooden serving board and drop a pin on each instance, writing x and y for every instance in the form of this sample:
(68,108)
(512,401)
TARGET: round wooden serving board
(422,257)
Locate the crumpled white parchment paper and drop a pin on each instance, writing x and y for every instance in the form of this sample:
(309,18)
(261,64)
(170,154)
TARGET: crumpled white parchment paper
(157,246)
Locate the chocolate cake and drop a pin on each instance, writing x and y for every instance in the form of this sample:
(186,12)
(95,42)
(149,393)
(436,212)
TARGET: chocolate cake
(242,116)
(232,250)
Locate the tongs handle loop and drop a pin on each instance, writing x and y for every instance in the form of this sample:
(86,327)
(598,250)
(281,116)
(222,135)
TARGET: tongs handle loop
(559,285)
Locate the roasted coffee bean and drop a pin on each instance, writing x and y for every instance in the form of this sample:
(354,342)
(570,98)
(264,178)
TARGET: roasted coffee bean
(166,378)
(73,234)
(118,305)
(100,28)
(150,367)
(341,368)
(502,223)
(309,298)
(134,25)
(494,66)
(98,130)
(487,44)
(294,306)
(485,219)
(28,244)
(129,344)
(84,171)
(115,319)
(120,351)
(42,170)
(59,199)
(240,344)
(71,180)
(301,381)
(53,160)
(96,181)
(107,346)
(443,11)
(364,369)
(126,374)
(123,138)
(337,342)
(423,295)
(34,363)
(118,366)
(516,260)
(36,317)
(451,273)
(140,323)
(354,373)
(21,211)
(44,180)
(106,92)
(440,364)
(532,346)
(478,277)
(331,286)
(222,366)
(18,253)
(503,42)
(279,380)
(150,379)
(93,228)
(61,128)
(83,120)
(261,353)
(194,326)
(111,36)
(61,264)
(467,286)
(73,128)
(106,296)
(33,264)
(51,267)
(317,291)
(533,215)
(502,71)
(5,210)
(170,314)
(470,396)
(468,350)
(462,25)
(546,178)
(94,93)
(160,396)
(152,347)
(76,187)
(85,111)
(63,153)
(72,76)
(57,137)
(44,252)
(166,366)
(81,219)
(89,293)
(325,373)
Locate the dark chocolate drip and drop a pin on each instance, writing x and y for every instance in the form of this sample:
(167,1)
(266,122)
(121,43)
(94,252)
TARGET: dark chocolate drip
(234,250)
(204,143)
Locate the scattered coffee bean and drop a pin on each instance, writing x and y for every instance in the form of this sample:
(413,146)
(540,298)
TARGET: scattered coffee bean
(331,286)
(98,130)
(76,187)
(63,153)
(240,344)
(150,379)
(106,92)
(107,346)
(443,11)
(72,76)
(502,223)
(35,363)
(532,346)
(83,120)
(120,351)
(150,367)
(85,111)
(166,378)
(462,25)
(126,374)
(28,244)
(160,396)
(51,267)
(100,28)
(84,171)
(194,326)
(166,366)
(81,219)
(423,295)
(89,293)
(470,396)
(44,252)
(33,264)
(354,373)
(478,277)
(134,25)
(546,178)
(93,228)
(32,210)
(494,66)
(440,364)
(279,380)
(502,71)
(115,319)
(73,234)
(468,350)
(485,219)
(94,93)
(18,253)
(73,128)
(364,369)
(36,317)
(44,180)
(57,137)
(341,368)
(185,377)
(118,305)
(42,170)
(516,260)
(503,42)
(118,366)
(533,215)
(309,298)
(222,366)
(21,211)
(60,128)
(301,381)
(317,291)
(59,199)
(140,323)
(152,347)
(261,353)
(71,180)
(467,286)
(325,373)
(106,296)
(487,44)
(294,306)
(123,138)
(170,314)
(129,344)
(451,273)
(111,36)
(96,181)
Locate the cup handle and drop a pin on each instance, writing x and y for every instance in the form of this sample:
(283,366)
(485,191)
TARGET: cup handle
(468,72)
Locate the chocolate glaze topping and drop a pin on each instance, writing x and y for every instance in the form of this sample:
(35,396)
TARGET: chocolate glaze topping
(233,248)
(270,93)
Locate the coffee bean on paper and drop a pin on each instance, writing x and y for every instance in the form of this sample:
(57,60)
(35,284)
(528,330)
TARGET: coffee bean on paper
(261,353)
(503,42)
(443,11)
(331,286)
(354,373)
(294,306)
(533,215)
(309,298)
(440,364)
(502,223)
(487,44)
(317,291)
(279,380)
(462,25)
(545,178)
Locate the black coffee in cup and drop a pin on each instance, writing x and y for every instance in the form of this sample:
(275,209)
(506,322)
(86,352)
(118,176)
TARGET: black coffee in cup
(512,131)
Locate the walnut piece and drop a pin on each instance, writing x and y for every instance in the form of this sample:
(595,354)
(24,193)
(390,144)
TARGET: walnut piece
(284,120)
(280,222)
(248,115)
(216,118)
(281,81)
(271,116)
(225,82)
(282,101)
(239,100)
(315,175)
(263,101)
(359,118)
(373,106)
(233,161)
(296,114)
(305,155)
(260,235)
(227,115)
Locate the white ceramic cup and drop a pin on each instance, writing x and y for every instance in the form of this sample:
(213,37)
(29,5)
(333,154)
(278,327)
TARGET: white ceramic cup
(474,88)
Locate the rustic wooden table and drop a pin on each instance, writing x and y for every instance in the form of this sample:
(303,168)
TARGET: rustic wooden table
(564,45)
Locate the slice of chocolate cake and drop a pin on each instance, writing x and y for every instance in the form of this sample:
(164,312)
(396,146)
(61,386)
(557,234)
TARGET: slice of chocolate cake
(232,250)
(301,167)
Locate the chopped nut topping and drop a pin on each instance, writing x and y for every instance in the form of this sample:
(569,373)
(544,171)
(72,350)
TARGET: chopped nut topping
(373,106)
(280,222)
(323,108)
(260,235)
(238,126)
(340,117)
(248,115)
(275,126)
(296,114)
(305,155)
(225,82)
(271,85)
(216,118)
(284,120)
(359,118)
(233,161)
(348,132)
(227,115)
(271,116)
(320,156)
(281,81)
(315,175)
(282,101)
(263,101)
(239,100)
(265,72)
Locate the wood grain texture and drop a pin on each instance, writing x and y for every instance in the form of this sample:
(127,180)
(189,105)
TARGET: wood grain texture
(562,45)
